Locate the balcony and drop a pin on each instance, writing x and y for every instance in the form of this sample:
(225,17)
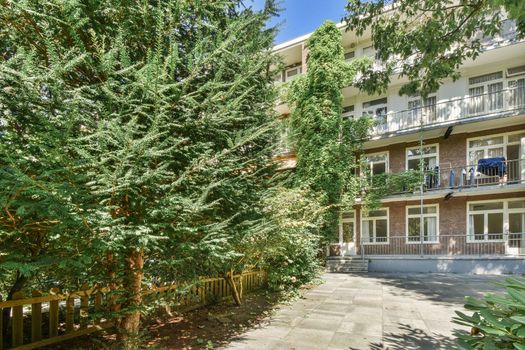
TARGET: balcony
(450,245)
(505,174)
(495,104)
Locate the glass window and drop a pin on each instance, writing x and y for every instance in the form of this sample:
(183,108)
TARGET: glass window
(292,73)
(486,221)
(369,51)
(430,220)
(348,112)
(488,141)
(377,163)
(374,227)
(486,206)
(349,55)
(428,155)
(516,138)
(516,204)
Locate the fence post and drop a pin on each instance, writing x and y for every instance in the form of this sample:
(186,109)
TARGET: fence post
(53,314)
(36,318)
(18,321)
(70,313)
(84,306)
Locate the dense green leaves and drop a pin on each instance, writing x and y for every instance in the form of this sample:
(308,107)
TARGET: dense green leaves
(128,127)
(326,144)
(498,322)
(427,41)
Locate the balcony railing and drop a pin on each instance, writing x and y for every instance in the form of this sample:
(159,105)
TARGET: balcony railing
(507,244)
(507,173)
(488,104)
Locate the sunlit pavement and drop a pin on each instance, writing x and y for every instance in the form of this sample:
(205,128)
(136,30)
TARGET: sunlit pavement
(371,311)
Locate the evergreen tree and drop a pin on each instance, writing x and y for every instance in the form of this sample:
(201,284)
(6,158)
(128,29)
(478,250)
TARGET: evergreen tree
(135,141)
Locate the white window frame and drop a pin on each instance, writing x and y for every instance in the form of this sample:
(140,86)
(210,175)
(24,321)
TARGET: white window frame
(373,54)
(375,107)
(408,216)
(485,148)
(407,158)
(362,219)
(387,161)
(348,59)
(347,220)
(485,92)
(505,211)
(350,113)
(299,72)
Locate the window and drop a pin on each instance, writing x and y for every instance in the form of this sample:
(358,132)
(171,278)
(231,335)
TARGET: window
(348,112)
(501,145)
(485,221)
(422,109)
(349,56)
(369,51)
(292,73)
(490,221)
(517,225)
(517,92)
(377,163)
(486,93)
(428,155)
(377,109)
(374,227)
(485,147)
(430,216)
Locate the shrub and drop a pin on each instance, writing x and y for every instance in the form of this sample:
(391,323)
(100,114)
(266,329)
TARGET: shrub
(498,322)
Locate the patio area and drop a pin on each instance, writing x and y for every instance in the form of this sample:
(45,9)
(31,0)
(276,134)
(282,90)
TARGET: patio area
(370,311)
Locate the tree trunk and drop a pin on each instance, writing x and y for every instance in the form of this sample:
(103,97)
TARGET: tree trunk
(130,324)
(235,293)
(113,300)
(6,313)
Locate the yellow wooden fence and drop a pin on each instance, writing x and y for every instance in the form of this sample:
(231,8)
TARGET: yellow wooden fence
(66,321)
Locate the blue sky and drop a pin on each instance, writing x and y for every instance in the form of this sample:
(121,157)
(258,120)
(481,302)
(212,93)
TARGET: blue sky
(303,16)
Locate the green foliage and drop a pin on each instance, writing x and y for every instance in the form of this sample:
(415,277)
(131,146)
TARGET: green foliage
(131,127)
(326,145)
(498,322)
(380,186)
(427,41)
(291,237)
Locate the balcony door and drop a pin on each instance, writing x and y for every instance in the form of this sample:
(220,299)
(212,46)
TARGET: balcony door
(511,146)
(347,234)
(516,227)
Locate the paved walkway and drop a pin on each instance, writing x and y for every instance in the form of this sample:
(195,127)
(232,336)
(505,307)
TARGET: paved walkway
(374,311)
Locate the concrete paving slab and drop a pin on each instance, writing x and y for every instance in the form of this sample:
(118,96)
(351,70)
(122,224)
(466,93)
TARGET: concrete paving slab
(370,311)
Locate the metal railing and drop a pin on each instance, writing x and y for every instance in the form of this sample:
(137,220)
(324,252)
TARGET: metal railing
(494,244)
(465,107)
(505,173)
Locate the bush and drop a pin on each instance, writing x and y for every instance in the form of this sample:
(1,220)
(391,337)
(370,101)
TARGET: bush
(292,242)
(498,322)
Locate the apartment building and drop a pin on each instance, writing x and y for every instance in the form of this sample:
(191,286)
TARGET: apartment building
(469,140)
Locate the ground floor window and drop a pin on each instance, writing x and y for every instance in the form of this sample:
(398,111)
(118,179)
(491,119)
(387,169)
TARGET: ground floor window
(374,226)
(496,220)
(428,215)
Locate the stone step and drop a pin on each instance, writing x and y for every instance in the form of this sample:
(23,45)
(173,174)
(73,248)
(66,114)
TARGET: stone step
(349,271)
(349,264)
(345,264)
